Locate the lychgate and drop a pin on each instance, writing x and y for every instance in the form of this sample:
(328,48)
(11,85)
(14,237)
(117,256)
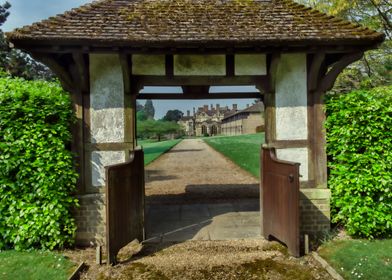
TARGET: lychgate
(106,52)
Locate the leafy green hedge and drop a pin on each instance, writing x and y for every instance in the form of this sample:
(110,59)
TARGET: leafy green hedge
(359,136)
(37,173)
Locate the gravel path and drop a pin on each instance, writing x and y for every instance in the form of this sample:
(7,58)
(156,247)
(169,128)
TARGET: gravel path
(194,171)
(192,175)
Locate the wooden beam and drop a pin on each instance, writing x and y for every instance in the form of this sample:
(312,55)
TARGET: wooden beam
(286,144)
(199,80)
(329,79)
(270,110)
(126,66)
(272,69)
(169,65)
(230,65)
(227,95)
(81,77)
(67,46)
(314,73)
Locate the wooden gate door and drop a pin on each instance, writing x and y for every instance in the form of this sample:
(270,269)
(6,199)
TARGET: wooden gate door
(280,200)
(124,204)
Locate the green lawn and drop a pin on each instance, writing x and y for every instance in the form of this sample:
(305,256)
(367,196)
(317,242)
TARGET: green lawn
(360,259)
(34,265)
(244,150)
(153,150)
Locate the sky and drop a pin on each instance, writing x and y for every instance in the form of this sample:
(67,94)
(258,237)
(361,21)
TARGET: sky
(25,12)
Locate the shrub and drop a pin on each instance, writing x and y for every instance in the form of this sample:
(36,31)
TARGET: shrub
(359,147)
(37,173)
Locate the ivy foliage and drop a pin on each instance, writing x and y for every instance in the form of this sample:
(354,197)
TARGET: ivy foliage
(359,147)
(37,175)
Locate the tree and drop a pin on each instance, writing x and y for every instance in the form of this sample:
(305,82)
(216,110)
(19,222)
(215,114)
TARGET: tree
(375,69)
(17,63)
(173,115)
(149,109)
(139,106)
(141,116)
(4,13)
(152,128)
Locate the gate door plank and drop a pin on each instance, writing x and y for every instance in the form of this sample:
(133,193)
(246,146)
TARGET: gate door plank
(280,197)
(124,204)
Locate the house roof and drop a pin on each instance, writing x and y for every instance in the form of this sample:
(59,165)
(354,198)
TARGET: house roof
(195,23)
(255,108)
(186,118)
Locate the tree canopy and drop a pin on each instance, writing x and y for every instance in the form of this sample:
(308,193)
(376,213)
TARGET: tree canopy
(149,109)
(173,115)
(15,62)
(156,129)
(375,69)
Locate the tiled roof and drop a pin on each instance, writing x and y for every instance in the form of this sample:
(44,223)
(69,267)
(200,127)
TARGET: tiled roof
(258,107)
(196,22)
(255,108)
(186,118)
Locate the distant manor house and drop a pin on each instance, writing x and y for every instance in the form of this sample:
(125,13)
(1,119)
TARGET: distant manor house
(209,121)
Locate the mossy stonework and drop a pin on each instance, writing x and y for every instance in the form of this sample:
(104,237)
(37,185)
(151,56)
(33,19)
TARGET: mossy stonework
(105,52)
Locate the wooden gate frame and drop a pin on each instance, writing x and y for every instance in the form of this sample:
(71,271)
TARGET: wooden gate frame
(124,189)
(280,200)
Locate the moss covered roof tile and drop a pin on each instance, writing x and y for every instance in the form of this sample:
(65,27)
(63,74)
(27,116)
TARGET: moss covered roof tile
(138,22)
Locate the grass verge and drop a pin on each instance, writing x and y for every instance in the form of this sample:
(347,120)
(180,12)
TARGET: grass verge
(16,265)
(244,150)
(153,150)
(360,259)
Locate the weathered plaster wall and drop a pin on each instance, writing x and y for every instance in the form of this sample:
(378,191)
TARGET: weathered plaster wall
(291,109)
(107,114)
(148,65)
(250,64)
(299,155)
(99,160)
(245,64)
(199,65)
(291,98)
(106,99)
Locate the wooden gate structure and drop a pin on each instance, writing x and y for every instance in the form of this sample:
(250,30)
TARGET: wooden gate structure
(280,200)
(124,204)
(108,53)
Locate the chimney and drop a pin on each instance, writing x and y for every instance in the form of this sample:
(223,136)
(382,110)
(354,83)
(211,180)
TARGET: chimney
(194,111)
(235,107)
(188,113)
(247,105)
(205,108)
(218,107)
(212,107)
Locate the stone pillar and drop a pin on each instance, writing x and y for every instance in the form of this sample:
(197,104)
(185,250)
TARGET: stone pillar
(109,139)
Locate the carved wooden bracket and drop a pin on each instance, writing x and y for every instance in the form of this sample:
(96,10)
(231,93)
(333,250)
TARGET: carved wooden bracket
(320,79)
(71,69)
